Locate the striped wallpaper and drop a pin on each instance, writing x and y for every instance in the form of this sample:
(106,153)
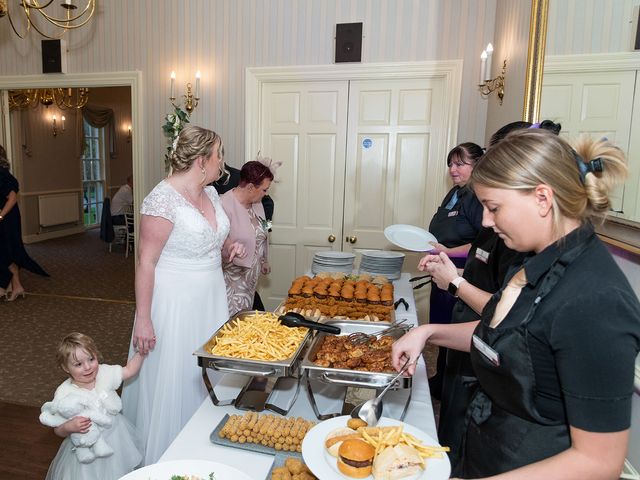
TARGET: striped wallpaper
(223,37)
(591,26)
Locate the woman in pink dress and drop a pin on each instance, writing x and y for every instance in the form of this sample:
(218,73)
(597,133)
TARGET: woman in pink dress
(248,227)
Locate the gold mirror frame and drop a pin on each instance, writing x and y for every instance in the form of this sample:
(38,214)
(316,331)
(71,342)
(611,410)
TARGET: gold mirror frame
(617,232)
(535,60)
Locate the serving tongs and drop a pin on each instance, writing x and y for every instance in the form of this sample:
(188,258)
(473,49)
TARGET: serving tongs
(358,338)
(293,319)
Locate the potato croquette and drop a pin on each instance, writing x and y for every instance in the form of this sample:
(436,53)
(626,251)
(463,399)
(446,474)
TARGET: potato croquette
(356,423)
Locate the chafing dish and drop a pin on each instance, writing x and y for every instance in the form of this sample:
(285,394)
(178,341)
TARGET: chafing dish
(351,378)
(346,377)
(263,368)
(264,375)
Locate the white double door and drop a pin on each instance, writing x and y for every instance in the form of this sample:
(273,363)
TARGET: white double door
(357,156)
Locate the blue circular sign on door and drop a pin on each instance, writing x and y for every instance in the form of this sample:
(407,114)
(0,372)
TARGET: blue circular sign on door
(367,143)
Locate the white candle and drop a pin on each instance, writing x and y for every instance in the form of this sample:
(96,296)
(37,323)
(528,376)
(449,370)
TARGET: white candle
(173,80)
(198,84)
(483,65)
(68,2)
(489,55)
(62,119)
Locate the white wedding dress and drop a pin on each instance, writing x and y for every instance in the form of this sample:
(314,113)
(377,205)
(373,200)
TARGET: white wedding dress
(189,303)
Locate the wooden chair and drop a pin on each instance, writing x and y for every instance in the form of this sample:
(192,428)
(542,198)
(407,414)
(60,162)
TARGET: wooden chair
(130,234)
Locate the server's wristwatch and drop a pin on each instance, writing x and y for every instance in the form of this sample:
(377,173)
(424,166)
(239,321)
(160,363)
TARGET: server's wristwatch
(454,285)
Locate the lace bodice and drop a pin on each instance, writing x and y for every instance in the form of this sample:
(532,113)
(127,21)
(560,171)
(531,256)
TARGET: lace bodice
(192,236)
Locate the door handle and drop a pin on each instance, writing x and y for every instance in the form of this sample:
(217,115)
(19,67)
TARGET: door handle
(332,238)
(352,239)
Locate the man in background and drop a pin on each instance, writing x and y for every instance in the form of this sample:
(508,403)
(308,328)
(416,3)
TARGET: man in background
(122,200)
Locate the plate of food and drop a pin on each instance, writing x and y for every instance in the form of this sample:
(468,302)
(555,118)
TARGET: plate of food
(187,470)
(410,237)
(344,448)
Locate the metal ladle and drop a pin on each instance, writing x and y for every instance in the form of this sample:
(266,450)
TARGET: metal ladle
(371,410)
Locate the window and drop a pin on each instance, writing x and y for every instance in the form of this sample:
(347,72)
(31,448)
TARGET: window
(93,174)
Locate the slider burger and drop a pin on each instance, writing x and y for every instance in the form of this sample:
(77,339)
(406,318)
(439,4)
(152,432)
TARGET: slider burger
(336,437)
(397,462)
(355,458)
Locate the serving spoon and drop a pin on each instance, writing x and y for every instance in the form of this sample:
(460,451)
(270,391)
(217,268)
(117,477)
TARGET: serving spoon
(371,410)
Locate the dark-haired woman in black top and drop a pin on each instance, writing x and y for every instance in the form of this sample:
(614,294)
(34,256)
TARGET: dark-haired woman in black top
(456,224)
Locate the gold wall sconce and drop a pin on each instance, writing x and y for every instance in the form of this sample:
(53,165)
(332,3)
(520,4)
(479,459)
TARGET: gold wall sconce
(54,124)
(487,84)
(191,98)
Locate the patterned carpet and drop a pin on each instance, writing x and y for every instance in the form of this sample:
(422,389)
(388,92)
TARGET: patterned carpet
(90,290)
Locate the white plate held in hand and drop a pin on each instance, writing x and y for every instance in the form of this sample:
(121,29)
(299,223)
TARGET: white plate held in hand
(410,237)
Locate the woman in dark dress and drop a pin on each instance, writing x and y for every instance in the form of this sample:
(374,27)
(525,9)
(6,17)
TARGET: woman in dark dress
(13,256)
(456,224)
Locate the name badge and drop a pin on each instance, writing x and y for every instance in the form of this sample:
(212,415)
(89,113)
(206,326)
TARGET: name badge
(482,255)
(489,353)
(453,214)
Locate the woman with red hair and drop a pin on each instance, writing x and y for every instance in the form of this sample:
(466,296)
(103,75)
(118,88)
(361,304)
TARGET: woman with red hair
(243,205)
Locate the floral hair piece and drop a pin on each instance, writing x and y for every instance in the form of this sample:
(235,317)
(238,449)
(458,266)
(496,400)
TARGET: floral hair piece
(269,163)
(174,123)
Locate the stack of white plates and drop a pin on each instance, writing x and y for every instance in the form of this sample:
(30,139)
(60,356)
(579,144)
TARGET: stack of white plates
(381,262)
(332,262)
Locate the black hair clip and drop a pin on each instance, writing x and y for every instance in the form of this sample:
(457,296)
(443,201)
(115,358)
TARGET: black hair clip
(595,165)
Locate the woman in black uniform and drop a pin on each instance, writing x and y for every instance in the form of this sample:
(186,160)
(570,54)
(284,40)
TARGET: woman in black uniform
(484,272)
(456,224)
(554,351)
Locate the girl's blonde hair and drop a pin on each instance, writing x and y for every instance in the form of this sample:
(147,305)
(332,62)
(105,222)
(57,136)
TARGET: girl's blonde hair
(195,142)
(581,177)
(70,343)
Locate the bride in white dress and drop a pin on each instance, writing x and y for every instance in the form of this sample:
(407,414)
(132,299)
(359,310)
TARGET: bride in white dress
(180,291)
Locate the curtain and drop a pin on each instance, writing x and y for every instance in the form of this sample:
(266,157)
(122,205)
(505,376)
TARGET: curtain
(99,117)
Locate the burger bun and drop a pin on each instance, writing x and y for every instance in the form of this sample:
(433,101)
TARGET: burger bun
(352,452)
(335,438)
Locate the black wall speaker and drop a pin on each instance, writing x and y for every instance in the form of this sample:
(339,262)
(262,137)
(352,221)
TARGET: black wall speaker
(348,42)
(51,56)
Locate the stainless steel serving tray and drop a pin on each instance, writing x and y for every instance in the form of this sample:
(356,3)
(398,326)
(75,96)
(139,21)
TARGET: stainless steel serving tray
(350,378)
(325,319)
(256,368)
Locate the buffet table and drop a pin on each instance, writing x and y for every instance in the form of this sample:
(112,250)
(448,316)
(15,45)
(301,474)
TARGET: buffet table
(193,441)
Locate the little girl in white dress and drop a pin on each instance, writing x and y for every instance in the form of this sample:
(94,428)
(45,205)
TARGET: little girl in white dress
(100,443)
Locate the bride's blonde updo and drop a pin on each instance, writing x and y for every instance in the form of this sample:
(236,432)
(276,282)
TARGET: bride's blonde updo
(194,142)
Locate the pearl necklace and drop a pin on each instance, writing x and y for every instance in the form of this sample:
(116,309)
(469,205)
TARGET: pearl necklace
(201,210)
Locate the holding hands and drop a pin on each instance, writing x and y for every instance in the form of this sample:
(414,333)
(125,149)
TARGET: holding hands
(236,249)
(144,338)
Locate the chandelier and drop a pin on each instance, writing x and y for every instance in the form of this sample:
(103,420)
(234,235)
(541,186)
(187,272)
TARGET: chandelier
(34,13)
(64,98)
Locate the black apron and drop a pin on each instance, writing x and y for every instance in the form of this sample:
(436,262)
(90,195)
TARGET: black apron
(504,430)
(452,227)
(484,269)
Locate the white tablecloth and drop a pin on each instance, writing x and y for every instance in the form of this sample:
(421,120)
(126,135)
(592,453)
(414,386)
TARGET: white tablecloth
(193,441)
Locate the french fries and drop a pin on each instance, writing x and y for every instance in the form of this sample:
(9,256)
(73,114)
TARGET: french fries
(383,437)
(259,336)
